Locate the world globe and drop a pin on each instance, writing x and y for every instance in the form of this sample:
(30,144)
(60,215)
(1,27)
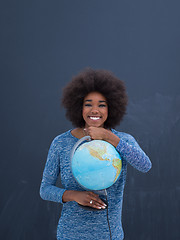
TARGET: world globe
(96,165)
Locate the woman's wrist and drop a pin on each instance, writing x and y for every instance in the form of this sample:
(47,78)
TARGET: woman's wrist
(111,138)
(68,196)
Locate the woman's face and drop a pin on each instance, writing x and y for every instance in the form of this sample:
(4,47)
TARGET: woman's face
(95,110)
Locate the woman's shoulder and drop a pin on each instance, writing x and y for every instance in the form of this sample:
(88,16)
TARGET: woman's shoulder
(63,137)
(123,135)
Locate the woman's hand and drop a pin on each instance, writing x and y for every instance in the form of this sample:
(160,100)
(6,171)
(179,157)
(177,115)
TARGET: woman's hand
(85,198)
(99,133)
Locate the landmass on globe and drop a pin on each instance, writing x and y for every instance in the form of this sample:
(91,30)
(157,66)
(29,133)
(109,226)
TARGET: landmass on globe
(100,152)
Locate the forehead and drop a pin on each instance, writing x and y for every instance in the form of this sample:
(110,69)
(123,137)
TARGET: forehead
(95,96)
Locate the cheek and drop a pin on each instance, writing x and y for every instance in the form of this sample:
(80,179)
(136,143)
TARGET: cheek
(84,112)
(106,113)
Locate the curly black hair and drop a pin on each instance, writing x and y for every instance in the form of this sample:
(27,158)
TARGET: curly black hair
(101,81)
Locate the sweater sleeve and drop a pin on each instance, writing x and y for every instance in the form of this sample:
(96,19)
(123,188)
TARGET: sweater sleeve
(133,154)
(48,189)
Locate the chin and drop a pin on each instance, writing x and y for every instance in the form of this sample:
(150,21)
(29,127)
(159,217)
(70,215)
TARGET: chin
(94,125)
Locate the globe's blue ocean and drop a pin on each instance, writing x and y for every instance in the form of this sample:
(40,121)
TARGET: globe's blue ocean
(96,165)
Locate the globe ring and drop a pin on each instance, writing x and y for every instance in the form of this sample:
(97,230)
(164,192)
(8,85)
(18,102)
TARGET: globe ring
(90,202)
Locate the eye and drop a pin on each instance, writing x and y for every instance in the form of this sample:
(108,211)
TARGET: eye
(87,105)
(102,105)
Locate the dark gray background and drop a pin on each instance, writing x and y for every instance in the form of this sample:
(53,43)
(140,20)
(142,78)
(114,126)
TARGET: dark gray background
(43,44)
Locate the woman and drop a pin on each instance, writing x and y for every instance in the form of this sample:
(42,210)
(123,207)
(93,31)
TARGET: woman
(95,102)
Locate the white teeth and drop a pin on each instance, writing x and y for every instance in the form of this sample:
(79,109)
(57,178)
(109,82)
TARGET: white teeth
(94,118)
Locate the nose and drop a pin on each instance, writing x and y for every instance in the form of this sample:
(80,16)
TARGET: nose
(94,110)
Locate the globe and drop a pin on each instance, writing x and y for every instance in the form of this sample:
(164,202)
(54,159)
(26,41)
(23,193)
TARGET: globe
(96,165)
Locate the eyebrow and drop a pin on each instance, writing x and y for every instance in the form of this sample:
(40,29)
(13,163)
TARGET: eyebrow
(101,101)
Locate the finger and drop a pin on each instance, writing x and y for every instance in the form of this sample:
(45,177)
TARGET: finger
(85,132)
(89,130)
(100,202)
(96,205)
(97,200)
(88,133)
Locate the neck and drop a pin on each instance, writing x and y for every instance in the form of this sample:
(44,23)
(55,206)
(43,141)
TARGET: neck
(78,132)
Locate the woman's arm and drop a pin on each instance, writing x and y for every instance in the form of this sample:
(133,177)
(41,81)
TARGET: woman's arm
(85,198)
(48,189)
(99,133)
(130,150)
(127,146)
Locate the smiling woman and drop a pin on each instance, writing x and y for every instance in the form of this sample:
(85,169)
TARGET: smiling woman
(95,102)
(101,81)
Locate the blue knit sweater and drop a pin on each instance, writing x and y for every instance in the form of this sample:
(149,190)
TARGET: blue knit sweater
(75,222)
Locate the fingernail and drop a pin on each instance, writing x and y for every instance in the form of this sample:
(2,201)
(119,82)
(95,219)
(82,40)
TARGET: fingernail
(103,207)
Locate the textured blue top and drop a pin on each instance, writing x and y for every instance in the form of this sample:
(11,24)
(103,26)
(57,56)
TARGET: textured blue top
(75,222)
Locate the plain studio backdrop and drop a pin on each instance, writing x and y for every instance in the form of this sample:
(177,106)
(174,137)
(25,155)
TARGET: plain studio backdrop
(45,43)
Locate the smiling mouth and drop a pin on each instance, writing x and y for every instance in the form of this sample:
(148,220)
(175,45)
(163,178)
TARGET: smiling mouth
(94,118)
